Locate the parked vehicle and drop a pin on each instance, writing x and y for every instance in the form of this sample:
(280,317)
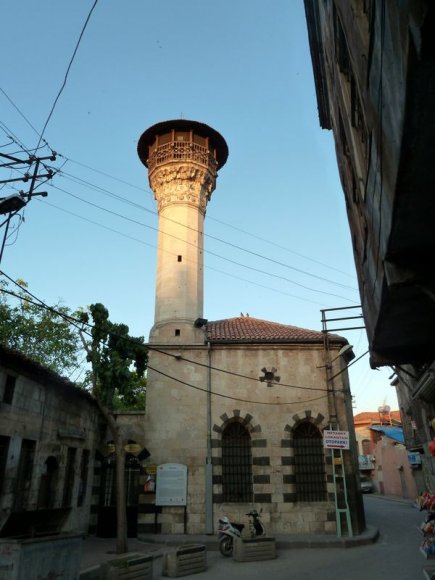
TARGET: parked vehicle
(227,531)
(366,484)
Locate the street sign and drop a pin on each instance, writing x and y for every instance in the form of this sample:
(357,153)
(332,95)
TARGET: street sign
(335,439)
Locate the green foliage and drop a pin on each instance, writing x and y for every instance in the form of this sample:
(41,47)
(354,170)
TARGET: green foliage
(118,362)
(37,332)
(134,400)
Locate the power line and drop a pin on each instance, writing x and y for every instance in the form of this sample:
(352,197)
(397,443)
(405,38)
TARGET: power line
(215,238)
(209,268)
(153,212)
(105,191)
(258,270)
(250,401)
(67,72)
(210,218)
(79,325)
(19,111)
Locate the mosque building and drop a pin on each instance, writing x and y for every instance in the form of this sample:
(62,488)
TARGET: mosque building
(240,404)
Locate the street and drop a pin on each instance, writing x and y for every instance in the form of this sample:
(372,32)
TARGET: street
(395,555)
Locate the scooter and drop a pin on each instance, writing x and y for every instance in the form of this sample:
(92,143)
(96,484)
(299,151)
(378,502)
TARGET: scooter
(256,527)
(227,531)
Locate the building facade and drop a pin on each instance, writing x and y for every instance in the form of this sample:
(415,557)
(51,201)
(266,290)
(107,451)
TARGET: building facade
(241,402)
(49,433)
(374,71)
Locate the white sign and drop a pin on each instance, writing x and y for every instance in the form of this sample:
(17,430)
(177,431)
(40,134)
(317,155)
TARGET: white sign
(336,439)
(414,457)
(171,484)
(366,462)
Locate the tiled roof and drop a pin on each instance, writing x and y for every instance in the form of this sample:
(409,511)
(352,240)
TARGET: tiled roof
(22,364)
(369,417)
(249,329)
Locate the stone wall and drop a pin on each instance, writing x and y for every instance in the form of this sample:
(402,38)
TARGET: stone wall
(187,413)
(54,427)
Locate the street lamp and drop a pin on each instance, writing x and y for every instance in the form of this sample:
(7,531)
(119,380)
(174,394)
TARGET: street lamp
(12,203)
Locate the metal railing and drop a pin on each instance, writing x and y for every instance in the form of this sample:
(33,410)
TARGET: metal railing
(181,151)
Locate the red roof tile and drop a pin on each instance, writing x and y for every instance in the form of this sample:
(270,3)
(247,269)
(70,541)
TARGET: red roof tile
(248,329)
(368,417)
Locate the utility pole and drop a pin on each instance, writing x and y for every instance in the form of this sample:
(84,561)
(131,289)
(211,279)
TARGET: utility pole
(12,204)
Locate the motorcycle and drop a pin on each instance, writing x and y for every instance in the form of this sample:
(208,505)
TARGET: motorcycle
(227,531)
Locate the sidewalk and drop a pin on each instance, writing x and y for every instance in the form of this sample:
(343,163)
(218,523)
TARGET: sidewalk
(98,550)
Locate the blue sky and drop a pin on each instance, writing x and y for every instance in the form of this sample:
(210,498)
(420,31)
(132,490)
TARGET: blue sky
(277,240)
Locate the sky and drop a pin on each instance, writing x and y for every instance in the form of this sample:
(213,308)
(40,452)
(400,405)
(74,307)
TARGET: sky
(277,242)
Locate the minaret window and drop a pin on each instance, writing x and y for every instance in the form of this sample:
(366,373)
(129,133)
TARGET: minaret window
(177,332)
(180,258)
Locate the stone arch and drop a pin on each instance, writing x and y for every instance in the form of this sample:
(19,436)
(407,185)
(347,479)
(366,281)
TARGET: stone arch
(246,421)
(318,420)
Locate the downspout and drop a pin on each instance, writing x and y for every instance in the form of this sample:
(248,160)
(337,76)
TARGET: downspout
(208,463)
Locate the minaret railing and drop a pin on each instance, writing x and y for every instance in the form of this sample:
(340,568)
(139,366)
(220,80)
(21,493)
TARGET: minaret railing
(181,151)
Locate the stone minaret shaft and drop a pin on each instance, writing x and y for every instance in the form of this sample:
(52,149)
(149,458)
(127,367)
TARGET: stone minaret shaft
(182,159)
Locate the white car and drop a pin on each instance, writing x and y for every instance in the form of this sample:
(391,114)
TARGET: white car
(366,484)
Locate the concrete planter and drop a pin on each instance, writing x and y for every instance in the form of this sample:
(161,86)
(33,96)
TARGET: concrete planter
(131,567)
(189,559)
(56,556)
(253,549)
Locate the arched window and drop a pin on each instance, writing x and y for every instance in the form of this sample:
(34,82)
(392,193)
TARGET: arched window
(310,475)
(236,464)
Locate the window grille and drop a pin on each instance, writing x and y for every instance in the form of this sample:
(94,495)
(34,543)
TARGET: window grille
(132,473)
(309,459)
(108,486)
(236,464)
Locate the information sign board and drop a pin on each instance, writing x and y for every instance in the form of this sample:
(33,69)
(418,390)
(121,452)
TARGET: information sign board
(335,439)
(171,484)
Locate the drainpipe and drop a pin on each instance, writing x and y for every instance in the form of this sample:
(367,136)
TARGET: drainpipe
(208,464)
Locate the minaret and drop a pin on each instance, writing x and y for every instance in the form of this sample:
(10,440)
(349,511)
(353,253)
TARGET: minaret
(182,158)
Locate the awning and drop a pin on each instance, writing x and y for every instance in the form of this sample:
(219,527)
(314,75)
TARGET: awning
(395,433)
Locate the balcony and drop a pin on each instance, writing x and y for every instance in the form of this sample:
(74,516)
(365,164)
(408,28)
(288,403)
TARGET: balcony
(181,151)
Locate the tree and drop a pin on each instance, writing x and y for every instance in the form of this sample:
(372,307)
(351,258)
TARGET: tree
(118,362)
(37,331)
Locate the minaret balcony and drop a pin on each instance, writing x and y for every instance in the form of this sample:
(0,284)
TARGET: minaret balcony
(181,151)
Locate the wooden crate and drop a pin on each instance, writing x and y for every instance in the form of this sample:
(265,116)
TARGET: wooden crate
(185,560)
(131,567)
(253,549)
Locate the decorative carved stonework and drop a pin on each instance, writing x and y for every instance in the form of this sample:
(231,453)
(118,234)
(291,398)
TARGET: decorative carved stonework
(182,183)
(269,376)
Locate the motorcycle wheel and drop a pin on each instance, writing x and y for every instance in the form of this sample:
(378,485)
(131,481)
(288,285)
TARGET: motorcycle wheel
(226,546)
